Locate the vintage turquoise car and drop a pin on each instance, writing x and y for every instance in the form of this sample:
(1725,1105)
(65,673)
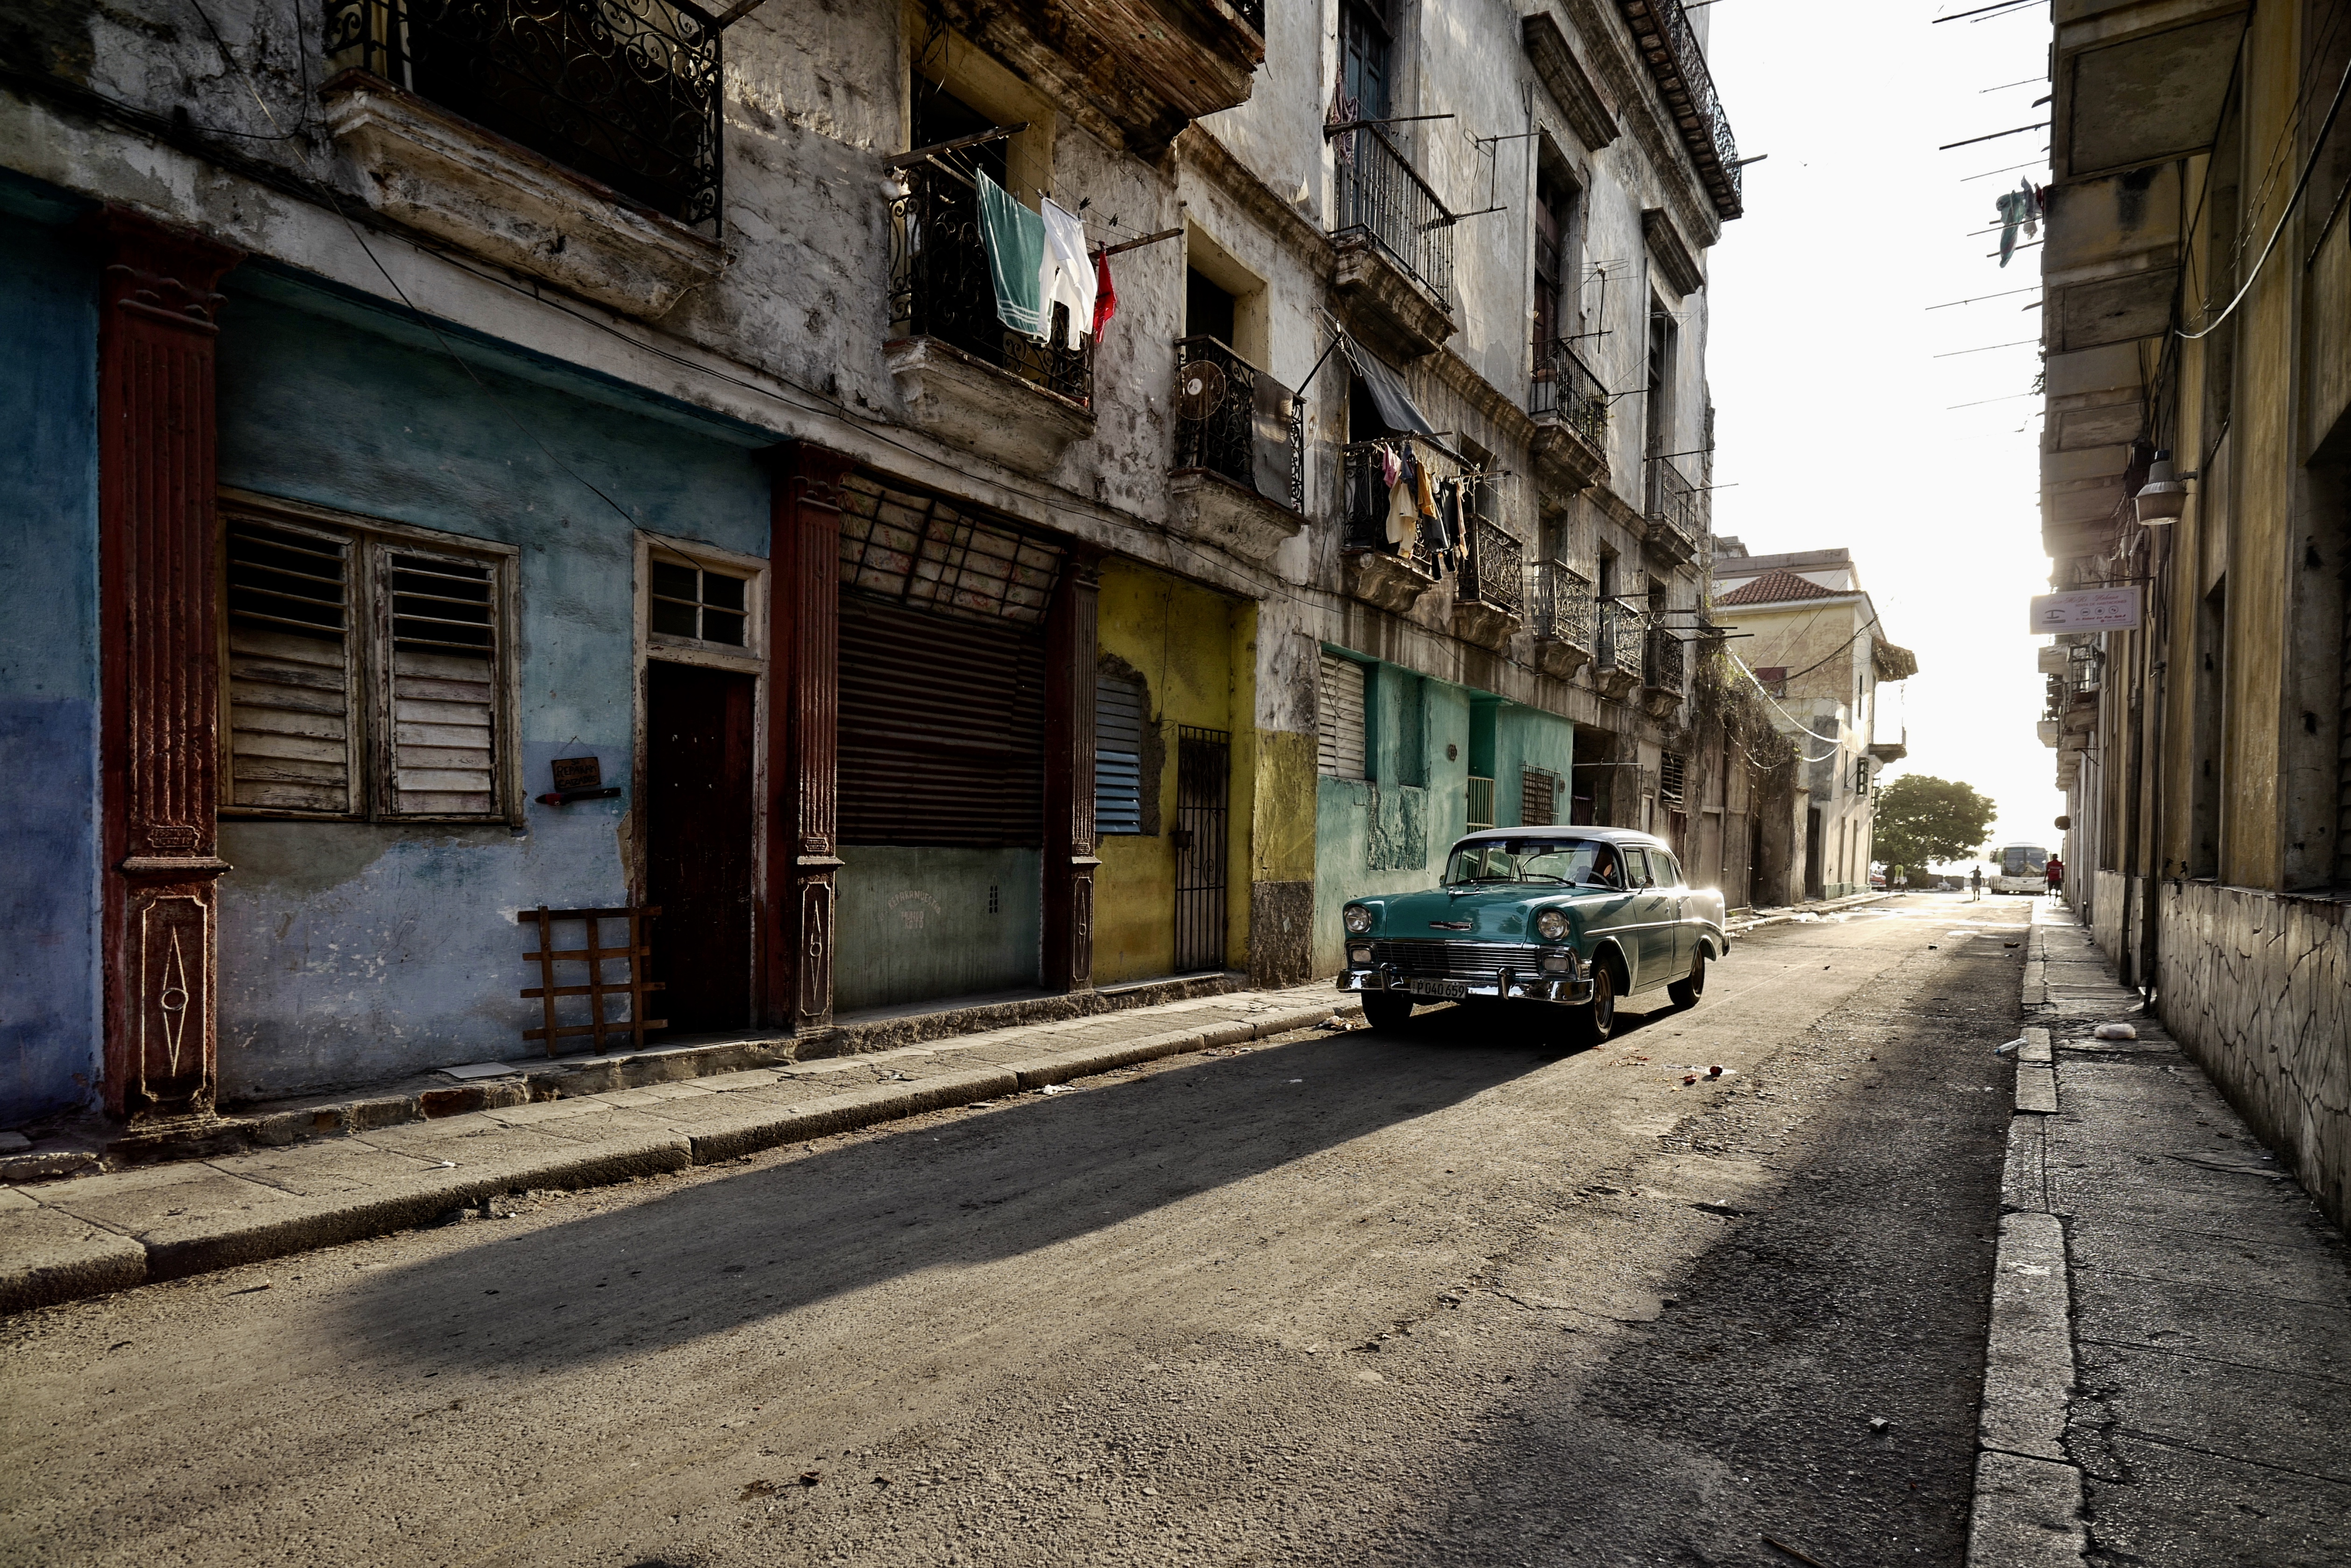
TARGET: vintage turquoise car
(1573,919)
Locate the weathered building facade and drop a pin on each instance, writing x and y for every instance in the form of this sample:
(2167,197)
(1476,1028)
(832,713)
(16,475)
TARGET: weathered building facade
(1818,652)
(2198,311)
(463,487)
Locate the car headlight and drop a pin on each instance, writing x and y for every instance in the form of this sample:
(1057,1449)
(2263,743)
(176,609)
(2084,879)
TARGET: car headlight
(1356,918)
(1551,925)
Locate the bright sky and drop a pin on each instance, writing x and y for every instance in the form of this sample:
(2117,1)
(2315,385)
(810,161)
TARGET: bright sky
(1836,419)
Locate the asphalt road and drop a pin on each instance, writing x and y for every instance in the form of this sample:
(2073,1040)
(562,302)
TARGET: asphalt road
(1435,1296)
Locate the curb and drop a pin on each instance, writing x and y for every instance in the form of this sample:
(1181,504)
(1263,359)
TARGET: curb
(83,1261)
(1741,927)
(2027,1512)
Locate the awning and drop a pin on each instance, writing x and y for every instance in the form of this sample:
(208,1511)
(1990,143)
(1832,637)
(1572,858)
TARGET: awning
(1398,414)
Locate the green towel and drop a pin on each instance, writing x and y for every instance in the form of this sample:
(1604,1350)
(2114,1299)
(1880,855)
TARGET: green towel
(1015,238)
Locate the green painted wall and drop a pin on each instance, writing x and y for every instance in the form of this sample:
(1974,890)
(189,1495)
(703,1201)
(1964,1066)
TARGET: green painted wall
(1389,834)
(1527,737)
(914,923)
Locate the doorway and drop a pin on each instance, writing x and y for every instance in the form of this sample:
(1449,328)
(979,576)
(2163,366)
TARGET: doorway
(1203,790)
(698,862)
(1813,847)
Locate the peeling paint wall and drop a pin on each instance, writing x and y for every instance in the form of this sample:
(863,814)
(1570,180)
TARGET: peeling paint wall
(51,1038)
(352,951)
(1389,834)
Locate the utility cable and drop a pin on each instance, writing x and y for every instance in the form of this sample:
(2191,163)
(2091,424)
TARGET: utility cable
(2310,166)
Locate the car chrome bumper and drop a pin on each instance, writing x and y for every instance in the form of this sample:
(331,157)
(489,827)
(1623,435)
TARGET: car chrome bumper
(1567,993)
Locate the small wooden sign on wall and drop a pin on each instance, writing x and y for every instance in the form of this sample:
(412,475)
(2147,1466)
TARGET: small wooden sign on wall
(578,778)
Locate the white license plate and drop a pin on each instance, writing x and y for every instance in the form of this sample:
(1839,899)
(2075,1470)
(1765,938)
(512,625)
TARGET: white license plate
(1444,991)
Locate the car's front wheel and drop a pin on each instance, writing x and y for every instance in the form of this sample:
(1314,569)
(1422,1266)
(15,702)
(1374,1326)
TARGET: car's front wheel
(1386,1009)
(1687,992)
(1593,1022)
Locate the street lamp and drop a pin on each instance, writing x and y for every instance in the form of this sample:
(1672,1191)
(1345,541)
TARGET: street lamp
(2164,496)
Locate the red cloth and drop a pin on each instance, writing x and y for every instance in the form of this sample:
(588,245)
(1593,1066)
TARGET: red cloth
(1105,297)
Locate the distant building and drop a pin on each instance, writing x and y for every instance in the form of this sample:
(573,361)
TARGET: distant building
(1816,649)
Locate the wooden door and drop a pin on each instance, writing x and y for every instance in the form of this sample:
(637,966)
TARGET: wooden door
(698,823)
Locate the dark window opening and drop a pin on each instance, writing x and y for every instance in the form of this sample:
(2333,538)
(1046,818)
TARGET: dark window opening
(1208,311)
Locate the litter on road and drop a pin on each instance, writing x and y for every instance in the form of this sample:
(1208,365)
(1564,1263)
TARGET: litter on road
(2117,1031)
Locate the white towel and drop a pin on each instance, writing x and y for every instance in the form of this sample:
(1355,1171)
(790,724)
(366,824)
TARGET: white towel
(1066,276)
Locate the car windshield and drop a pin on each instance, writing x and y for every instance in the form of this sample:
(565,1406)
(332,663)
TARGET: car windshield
(1576,862)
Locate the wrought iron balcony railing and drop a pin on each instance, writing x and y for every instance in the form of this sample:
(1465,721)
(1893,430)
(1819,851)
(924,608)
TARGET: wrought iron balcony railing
(940,287)
(1667,667)
(1233,419)
(1252,12)
(626,92)
(1661,29)
(1563,608)
(1675,500)
(1493,570)
(1367,499)
(1382,195)
(1622,632)
(1565,389)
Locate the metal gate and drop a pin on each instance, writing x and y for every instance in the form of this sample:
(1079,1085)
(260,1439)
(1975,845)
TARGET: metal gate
(1203,785)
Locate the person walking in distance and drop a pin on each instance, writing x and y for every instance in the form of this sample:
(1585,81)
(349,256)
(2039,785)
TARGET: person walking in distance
(2055,872)
(1975,885)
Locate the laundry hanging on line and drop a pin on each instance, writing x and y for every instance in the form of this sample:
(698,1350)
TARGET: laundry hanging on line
(1014,238)
(1068,272)
(2018,209)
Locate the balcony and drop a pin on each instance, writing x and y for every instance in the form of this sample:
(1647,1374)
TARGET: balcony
(1394,271)
(1617,660)
(1570,410)
(1239,480)
(1674,516)
(1489,596)
(1665,673)
(1661,32)
(1562,617)
(970,380)
(579,143)
(1131,73)
(1391,576)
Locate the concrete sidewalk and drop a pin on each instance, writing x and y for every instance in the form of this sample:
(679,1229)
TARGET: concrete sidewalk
(87,1235)
(2165,1384)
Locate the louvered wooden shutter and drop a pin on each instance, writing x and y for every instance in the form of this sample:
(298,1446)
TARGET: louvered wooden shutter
(444,696)
(1119,720)
(1339,749)
(291,738)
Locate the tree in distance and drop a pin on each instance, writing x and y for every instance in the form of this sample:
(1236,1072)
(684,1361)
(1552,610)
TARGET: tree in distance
(1922,820)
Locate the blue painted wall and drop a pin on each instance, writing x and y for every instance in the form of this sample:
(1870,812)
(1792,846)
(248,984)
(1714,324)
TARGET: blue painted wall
(352,952)
(1527,737)
(51,1036)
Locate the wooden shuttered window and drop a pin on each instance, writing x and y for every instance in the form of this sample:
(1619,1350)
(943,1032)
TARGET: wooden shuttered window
(292,738)
(1339,741)
(1121,712)
(364,677)
(444,662)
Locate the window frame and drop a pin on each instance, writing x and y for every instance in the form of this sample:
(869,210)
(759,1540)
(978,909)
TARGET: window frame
(368,656)
(750,657)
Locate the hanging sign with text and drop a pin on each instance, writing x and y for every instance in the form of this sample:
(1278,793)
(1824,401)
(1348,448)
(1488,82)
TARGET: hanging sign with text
(2087,609)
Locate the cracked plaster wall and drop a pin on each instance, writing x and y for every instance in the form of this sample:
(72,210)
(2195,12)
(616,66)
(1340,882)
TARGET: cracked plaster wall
(2257,986)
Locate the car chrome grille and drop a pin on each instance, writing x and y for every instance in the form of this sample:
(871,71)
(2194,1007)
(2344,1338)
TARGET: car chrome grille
(1439,960)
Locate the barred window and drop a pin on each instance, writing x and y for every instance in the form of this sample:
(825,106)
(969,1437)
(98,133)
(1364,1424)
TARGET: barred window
(363,674)
(1340,741)
(1669,778)
(1538,798)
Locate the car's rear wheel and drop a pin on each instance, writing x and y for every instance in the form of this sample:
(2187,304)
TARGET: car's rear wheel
(1386,1009)
(1687,992)
(1593,1022)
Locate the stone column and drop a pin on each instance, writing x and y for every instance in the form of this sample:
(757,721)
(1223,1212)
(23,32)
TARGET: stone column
(1070,860)
(803,721)
(160,730)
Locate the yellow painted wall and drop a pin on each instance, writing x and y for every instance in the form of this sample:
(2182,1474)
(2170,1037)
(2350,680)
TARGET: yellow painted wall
(1186,644)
